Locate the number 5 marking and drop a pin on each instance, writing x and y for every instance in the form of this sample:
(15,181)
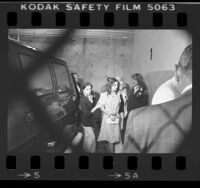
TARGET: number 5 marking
(36,175)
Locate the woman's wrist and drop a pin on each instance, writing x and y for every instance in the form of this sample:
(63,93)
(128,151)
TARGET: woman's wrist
(110,115)
(118,115)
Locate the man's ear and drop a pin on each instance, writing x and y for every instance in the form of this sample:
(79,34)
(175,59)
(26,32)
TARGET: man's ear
(178,73)
(177,77)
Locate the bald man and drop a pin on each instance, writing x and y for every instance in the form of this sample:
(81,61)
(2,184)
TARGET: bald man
(161,128)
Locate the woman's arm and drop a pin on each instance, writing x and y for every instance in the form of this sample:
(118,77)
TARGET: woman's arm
(95,108)
(100,102)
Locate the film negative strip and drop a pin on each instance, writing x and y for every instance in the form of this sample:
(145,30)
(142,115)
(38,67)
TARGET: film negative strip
(99,91)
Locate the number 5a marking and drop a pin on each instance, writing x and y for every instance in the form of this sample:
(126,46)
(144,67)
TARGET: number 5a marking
(36,175)
(132,176)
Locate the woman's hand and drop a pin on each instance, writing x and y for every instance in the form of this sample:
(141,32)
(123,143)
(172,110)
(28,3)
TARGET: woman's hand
(118,116)
(112,117)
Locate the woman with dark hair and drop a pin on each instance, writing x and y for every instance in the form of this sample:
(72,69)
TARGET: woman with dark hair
(139,93)
(87,103)
(109,103)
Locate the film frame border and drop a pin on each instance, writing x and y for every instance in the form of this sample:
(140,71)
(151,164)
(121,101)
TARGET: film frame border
(151,157)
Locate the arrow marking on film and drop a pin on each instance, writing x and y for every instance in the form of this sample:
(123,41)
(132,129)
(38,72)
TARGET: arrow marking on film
(25,175)
(116,175)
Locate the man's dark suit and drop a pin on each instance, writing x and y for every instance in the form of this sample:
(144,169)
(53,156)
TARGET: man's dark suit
(159,128)
(79,93)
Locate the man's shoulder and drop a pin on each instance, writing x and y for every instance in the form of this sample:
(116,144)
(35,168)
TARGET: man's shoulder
(140,114)
(143,123)
(155,111)
(143,111)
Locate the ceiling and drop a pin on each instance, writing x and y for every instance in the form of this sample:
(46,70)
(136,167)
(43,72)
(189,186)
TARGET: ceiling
(81,33)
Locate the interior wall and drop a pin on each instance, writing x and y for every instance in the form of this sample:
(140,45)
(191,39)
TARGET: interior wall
(167,46)
(95,58)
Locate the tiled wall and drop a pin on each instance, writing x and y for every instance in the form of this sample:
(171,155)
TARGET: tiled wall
(95,58)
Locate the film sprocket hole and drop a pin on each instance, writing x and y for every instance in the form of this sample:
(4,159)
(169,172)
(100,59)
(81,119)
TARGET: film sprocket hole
(73,68)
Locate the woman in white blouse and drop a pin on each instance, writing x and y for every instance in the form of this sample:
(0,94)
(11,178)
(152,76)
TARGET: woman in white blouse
(109,103)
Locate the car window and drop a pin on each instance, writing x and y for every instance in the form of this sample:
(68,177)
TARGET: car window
(62,78)
(40,83)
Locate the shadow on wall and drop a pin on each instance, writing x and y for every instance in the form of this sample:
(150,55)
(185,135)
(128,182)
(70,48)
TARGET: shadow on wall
(156,78)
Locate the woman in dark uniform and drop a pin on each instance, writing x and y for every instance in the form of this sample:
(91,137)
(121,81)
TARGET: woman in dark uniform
(139,93)
(85,137)
(87,103)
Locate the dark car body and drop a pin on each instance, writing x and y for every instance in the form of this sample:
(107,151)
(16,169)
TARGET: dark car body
(54,88)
